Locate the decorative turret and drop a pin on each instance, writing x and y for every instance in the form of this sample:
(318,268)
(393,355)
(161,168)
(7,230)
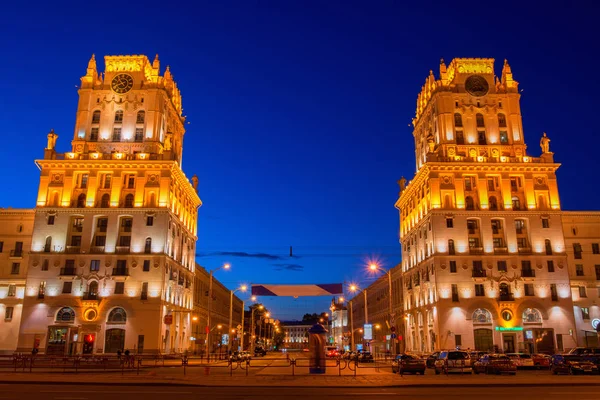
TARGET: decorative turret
(91,74)
(507,77)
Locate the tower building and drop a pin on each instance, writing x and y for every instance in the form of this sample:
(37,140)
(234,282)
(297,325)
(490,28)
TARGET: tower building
(484,262)
(112,252)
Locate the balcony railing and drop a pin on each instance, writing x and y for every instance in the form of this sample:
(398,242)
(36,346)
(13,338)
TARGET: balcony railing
(528,273)
(97,249)
(121,272)
(90,296)
(507,297)
(478,273)
(500,250)
(122,249)
(68,271)
(476,250)
(16,253)
(73,249)
(524,250)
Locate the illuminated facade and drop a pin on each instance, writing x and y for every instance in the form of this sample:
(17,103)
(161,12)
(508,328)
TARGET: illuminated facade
(16,226)
(114,238)
(483,253)
(295,334)
(582,241)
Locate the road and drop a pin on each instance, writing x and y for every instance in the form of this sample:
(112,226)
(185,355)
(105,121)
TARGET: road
(91,392)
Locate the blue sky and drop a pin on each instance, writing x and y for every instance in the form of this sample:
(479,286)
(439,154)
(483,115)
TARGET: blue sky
(299,111)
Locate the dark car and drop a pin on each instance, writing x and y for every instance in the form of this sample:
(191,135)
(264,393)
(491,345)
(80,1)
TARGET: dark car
(404,363)
(430,361)
(570,364)
(365,356)
(259,351)
(494,364)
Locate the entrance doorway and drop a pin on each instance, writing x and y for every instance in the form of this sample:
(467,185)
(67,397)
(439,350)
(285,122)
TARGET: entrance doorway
(115,340)
(509,343)
(88,343)
(484,339)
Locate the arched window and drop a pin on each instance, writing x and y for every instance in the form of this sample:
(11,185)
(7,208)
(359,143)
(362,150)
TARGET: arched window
(493,203)
(81,200)
(451,250)
(119,117)
(516,203)
(480,121)
(117,316)
(105,201)
(129,201)
(548,247)
(502,120)
(469,203)
(96,117)
(148,246)
(532,316)
(141,116)
(482,316)
(65,314)
(48,245)
(92,290)
(458,120)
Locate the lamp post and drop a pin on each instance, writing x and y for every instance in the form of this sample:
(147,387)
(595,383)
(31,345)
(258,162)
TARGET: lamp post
(252,327)
(351,328)
(354,289)
(231,292)
(374,267)
(253,298)
(224,266)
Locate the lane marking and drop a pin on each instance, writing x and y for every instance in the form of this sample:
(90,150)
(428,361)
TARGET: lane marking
(115,392)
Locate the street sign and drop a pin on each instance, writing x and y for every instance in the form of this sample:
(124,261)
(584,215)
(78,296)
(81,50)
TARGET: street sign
(393,335)
(168,319)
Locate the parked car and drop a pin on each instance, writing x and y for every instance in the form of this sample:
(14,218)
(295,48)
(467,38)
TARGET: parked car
(349,355)
(453,361)
(259,352)
(583,351)
(521,360)
(572,364)
(494,364)
(364,356)
(246,355)
(541,360)
(404,363)
(476,355)
(235,356)
(430,360)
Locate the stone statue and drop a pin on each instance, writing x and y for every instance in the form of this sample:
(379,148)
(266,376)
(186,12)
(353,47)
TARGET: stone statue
(195,182)
(168,142)
(402,183)
(52,140)
(430,142)
(545,144)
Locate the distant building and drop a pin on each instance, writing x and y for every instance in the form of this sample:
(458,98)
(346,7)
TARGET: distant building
(295,334)
(338,324)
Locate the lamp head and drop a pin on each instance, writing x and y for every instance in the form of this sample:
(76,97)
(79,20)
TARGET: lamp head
(226,266)
(243,288)
(194,318)
(219,326)
(353,288)
(373,267)
(253,298)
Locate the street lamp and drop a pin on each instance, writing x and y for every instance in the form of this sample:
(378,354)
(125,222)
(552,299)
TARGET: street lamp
(354,289)
(231,292)
(253,334)
(224,266)
(374,267)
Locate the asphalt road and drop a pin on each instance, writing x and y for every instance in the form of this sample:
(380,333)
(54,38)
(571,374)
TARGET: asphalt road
(91,392)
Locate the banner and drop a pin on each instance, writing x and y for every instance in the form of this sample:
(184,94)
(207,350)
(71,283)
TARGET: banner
(327,289)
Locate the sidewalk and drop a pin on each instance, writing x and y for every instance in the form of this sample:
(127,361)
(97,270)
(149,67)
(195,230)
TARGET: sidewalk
(197,377)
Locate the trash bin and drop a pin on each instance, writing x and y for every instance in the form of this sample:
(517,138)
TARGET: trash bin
(316,347)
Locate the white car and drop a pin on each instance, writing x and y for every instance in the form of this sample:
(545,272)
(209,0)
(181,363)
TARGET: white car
(453,361)
(521,360)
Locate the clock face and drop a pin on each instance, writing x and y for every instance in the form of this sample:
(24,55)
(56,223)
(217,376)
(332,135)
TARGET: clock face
(121,83)
(477,85)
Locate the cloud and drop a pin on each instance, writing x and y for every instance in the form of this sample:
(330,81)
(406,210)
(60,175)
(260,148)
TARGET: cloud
(265,256)
(288,267)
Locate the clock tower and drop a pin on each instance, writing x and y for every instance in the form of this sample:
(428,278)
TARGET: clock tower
(114,238)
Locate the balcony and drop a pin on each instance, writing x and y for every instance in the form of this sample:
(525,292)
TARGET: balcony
(122,250)
(528,273)
(73,249)
(68,271)
(97,249)
(16,253)
(121,272)
(524,250)
(506,297)
(501,250)
(90,296)
(475,250)
(479,273)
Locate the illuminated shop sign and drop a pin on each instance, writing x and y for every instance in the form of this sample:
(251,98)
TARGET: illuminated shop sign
(509,329)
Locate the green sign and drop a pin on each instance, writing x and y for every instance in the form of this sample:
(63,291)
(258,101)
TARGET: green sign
(511,329)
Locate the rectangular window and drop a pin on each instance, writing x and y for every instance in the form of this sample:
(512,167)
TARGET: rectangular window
(76,241)
(474,243)
(453,267)
(139,134)
(116,136)
(503,137)
(458,340)
(51,220)
(130,181)
(125,241)
(597,268)
(472,226)
(146,265)
(470,183)
(479,290)
(519,226)
(78,225)
(1,246)
(579,269)
(102,224)
(496,226)
(15,268)
(107,179)
(460,137)
(94,135)
(119,287)
(42,290)
(577,250)
(559,342)
(491,186)
(502,266)
(529,289)
(454,292)
(149,221)
(550,265)
(545,223)
(582,292)
(144,291)
(83,181)
(595,248)
(95,265)
(481,137)
(553,292)
(515,183)
(449,223)
(67,287)
(45,265)
(522,243)
(12,290)
(8,314)
(100,241)
(585,313)
(498,243)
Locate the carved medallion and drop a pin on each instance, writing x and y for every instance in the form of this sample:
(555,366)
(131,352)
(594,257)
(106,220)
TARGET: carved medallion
(477,86)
